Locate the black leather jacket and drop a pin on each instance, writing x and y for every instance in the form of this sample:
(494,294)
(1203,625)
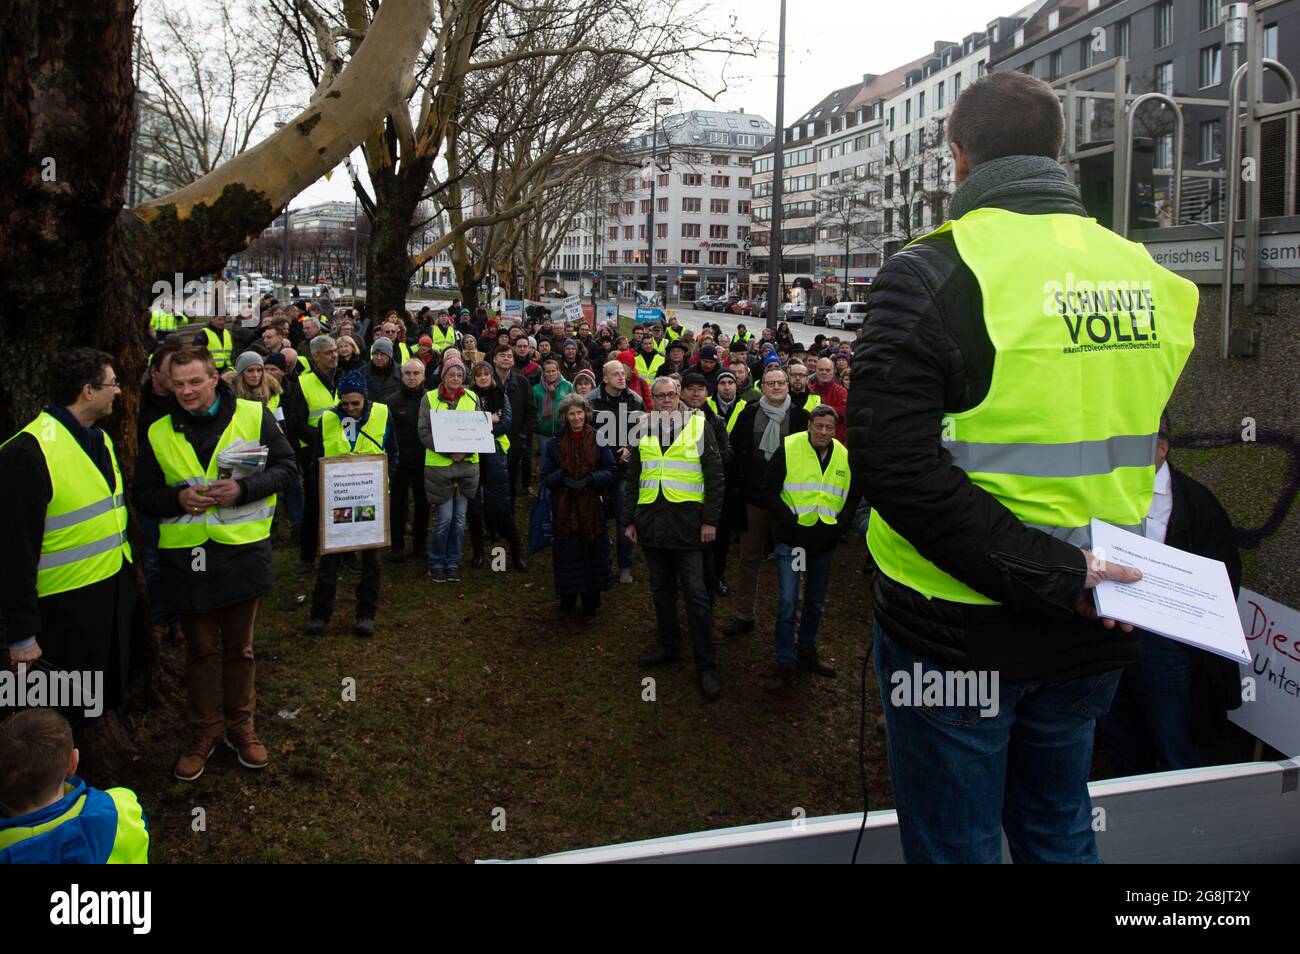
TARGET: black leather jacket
(923,352)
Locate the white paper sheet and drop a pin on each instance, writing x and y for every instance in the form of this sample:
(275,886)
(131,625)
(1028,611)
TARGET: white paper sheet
(1181,596)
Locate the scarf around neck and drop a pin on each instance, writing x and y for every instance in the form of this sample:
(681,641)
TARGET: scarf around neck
(1013,177)
(776,416)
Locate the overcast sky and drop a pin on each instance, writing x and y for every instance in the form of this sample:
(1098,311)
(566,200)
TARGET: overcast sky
(829,44)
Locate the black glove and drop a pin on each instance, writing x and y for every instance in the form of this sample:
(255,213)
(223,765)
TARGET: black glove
(572,483)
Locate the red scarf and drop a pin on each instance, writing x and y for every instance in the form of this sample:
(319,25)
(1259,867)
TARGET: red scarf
(451,399)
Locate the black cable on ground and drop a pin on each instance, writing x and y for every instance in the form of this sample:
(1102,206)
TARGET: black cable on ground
(862,751)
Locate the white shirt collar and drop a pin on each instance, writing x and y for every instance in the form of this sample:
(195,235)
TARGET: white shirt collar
(1162,479)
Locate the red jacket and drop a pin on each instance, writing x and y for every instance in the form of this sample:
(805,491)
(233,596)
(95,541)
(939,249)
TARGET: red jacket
(837,396)
(628,358)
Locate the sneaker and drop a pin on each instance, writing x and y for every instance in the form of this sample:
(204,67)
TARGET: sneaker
(364,627)
(302,569)
(314,627)
(625,575)
(453,574)
(248,749)
(192,761)
(438,574)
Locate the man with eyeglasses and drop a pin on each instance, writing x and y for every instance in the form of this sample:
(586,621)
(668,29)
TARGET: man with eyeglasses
(759,433)
(67,587)
(675,486)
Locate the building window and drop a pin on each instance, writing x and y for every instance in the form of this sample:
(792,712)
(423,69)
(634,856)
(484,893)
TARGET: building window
(1164,25)
(720,182)
(1211,14)
(1054,64)
(690,230)
(1053,20)
(1019,39)
(1085,52)
(661,256)
(690,205)
(627,256)
(1164,152)
(920,104)
(663,180)
(640,232)
(907,112)
(719,231)
(720,159)
(631,184)
(613,232)
(627,233)
(661,230)
(692,179)
(744,182)
(1210,64)
(891,118)
(938,95)
(612,258)
(690,256)
(661,205)
(645,206)
(1164,78)
(1211,141)
(613,209)
(1121,37)
(1270,41)
(628,207)
(742,207)
(719,206)
(956,86)
(717,258)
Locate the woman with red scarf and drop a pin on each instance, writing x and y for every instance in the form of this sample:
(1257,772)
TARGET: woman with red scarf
(579,473)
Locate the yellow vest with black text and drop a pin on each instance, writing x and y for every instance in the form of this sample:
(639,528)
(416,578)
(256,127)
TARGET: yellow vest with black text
(318,397)
(813,494)
(739,406)
(369,436)
(220,347)
(234,526)
(1090,336)
(676,472)
(85,523)
(442,338)
(467,402)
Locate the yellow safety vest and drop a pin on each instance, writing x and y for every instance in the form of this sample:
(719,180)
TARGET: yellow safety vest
(403,351)
(162,320)
(237,525)
(811,493)
(810,401)
(1090,337)
(442,339)
(85,523)
(220,347)
(319,398)
(273,405)
(739,406)
(747,337)
(334,435)
(467,402)
(676,472)
(648,371)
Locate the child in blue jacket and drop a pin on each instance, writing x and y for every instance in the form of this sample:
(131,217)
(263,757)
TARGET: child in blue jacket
(47,814)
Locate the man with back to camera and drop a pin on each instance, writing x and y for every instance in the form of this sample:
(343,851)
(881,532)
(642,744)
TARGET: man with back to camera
(983,485)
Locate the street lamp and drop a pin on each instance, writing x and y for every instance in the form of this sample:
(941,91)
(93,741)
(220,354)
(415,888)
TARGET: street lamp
(778,191)
(654,176)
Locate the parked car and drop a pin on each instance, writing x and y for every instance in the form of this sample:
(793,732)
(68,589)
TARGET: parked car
(724,302)
(848,315)
(703,303)
(742,307)
(818,316)
(792,312)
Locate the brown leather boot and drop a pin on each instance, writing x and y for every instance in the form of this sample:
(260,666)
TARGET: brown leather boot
(193,760)
(780,682)
(249,749)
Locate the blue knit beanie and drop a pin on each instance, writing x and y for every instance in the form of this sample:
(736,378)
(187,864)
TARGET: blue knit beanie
(354,382)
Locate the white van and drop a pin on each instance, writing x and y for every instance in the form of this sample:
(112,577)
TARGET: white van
(848,315)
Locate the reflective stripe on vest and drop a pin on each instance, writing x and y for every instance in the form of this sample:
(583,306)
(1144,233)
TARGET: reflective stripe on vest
(467,402)
(369,437)
(319,398)
(676,472)
(85,536)
(648,370)
(235,525)
(1074,312)
(442,339)
(811,493)
(219,347)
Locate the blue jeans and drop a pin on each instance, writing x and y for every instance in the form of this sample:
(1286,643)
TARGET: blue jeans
(960,779)
(626,548)
(818,568)
(447,540)
(1150,724)
(161,615)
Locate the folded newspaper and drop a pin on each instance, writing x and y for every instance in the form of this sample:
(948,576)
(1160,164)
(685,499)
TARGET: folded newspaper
(241,459)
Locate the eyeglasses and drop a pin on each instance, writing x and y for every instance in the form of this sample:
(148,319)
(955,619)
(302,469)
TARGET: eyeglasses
(107,384)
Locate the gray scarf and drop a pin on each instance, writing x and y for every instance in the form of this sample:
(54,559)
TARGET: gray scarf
(776,414)
(1012,178)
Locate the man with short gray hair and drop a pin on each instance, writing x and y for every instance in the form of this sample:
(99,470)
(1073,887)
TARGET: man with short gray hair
(310,393)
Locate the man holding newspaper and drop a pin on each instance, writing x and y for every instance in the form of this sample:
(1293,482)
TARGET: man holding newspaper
(210,471)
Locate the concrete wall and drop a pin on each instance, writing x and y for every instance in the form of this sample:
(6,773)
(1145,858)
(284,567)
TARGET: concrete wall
(1257,482)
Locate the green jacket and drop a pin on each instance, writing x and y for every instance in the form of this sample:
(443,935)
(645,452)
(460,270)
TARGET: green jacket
(546,425)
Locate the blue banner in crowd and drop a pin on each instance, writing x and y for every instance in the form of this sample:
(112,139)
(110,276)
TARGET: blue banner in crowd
(649,314)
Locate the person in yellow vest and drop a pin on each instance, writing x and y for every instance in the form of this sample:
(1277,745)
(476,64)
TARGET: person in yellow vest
(443,332)
(979,430)
(800,395)
(809,494)
(214,546)
(357,425)
(216,337)
(741,335)
(163,321)
(674,491)
(311,395)
(67,584)
(450,479)
(50,816)
(648,359)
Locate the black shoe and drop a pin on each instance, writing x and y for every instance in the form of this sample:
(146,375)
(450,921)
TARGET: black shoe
(709,688)
(811,662)
(302,569)
(738,626)
(314,627)
(453,574)
(723,589)
(780,682)
(364,627)
(660,657)
(477,561)
(718,636)
(438,575)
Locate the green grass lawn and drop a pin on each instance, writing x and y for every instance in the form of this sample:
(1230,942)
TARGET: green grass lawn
(479,695)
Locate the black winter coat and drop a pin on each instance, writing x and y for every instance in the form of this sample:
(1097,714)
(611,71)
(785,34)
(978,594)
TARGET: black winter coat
(405,410)
(748,471)
(232,574)
(925,352)
(676,526)
(580,566)
(493,495)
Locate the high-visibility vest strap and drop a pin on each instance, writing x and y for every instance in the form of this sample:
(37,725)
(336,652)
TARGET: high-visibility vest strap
(220,347)
(1072,309)
(811,493)
(369,437)
(85,534)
